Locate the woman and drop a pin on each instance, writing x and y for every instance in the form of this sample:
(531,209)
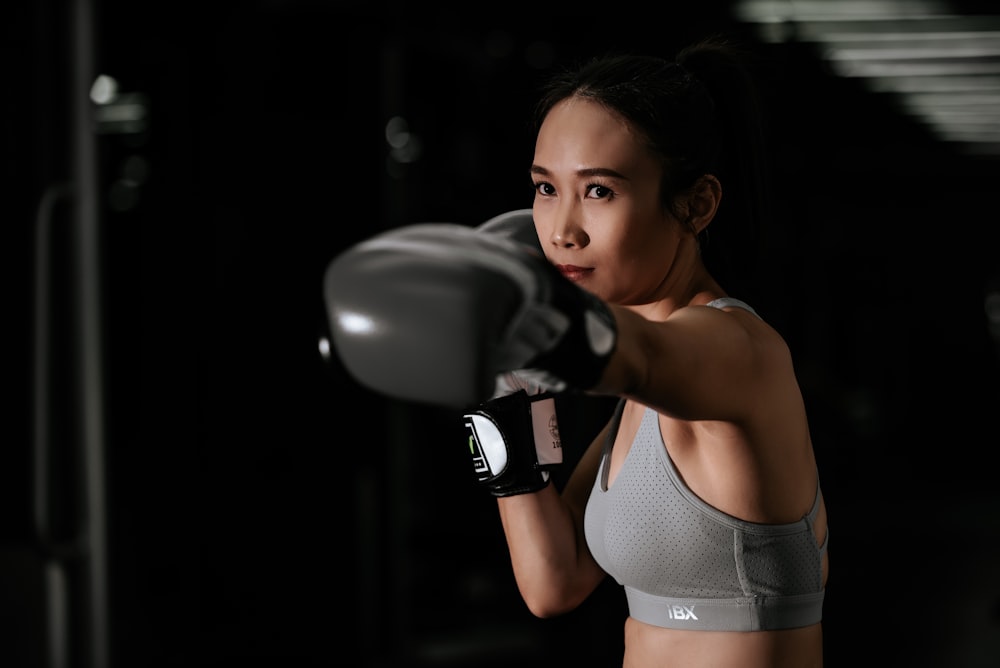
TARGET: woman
(702,495)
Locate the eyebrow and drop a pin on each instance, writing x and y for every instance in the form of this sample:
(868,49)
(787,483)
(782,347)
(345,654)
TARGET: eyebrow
(590,171)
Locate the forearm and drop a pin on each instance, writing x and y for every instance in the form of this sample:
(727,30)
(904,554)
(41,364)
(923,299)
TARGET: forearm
(552,565)
(626,372)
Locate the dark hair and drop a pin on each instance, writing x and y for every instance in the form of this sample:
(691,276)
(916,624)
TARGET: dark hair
(700,114)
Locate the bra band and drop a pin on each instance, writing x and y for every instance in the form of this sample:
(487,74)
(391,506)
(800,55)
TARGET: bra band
(753,613)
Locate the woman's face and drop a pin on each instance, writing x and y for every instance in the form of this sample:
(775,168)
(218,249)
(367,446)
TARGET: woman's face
(597,204)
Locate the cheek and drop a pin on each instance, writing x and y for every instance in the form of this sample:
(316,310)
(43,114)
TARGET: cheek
(644,246)
(542,218)
(628,262)
(645,259)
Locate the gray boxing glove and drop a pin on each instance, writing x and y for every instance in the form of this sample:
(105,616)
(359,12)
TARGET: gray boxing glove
(434,312)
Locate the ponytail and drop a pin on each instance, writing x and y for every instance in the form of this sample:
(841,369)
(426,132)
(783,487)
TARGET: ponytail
(730,243)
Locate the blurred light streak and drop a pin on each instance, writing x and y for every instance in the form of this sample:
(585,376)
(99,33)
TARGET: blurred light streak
(903,48)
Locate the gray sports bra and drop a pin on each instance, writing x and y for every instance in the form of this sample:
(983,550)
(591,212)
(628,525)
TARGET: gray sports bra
(687,565)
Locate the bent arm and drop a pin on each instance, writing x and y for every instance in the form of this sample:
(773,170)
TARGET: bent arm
(552,565)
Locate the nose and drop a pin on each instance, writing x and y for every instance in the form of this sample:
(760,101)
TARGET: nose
(565,229)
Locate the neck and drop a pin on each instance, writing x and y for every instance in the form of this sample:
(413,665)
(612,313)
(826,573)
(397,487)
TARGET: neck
(687,283)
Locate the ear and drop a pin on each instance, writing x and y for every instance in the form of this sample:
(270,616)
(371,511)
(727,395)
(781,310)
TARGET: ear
(703,202)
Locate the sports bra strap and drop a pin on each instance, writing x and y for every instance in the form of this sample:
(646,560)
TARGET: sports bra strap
(811,518)
(725,302)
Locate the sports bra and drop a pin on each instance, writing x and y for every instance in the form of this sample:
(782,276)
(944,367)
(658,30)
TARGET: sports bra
(685,564)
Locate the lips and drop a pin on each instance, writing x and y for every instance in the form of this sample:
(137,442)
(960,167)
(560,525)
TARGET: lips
(572,272)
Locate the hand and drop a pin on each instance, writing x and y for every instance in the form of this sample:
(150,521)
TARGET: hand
(514,437)
(542,405)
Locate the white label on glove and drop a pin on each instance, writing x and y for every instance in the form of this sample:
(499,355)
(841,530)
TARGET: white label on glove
(545,428)
(486,444)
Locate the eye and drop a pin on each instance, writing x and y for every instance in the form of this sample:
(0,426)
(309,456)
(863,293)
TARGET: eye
(545,188)
(597,191)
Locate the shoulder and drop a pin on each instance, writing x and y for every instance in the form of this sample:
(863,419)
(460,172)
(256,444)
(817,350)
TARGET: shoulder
(731,329)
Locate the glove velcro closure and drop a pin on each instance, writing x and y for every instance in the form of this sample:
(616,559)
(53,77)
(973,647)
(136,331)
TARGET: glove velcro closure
(513,440)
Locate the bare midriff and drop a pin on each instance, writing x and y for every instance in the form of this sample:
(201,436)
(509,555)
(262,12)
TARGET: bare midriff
(649,646)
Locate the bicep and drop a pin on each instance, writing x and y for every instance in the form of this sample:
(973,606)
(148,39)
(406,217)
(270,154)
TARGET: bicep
(699,364)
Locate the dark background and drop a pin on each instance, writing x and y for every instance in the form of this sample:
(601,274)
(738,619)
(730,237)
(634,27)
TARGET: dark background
(265,508)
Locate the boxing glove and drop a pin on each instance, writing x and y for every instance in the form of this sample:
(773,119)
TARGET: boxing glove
(514,437)
(518,225)
(433,312)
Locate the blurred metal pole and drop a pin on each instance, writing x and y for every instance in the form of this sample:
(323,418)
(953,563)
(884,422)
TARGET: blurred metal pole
(88,356)
(56,603)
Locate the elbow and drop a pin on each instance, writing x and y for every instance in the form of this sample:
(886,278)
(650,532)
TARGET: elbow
(545,605)
(546,610)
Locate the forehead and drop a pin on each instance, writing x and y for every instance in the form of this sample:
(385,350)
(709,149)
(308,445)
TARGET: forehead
(579,133)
